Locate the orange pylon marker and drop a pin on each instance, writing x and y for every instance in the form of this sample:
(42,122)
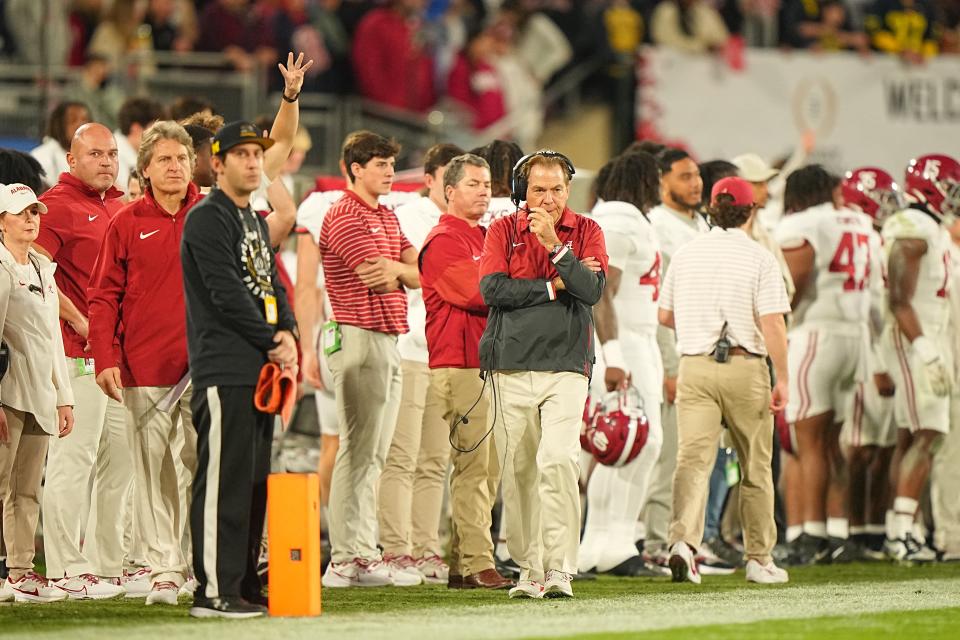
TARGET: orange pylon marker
(293,533)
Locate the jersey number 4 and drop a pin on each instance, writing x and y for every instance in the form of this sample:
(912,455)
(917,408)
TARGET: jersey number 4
(652,278)
(854,249)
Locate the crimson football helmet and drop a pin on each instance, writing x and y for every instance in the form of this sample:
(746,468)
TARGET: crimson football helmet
(934,180)
(872,191)
(619,429)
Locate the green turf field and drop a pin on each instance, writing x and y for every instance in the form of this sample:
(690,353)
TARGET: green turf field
(853,601)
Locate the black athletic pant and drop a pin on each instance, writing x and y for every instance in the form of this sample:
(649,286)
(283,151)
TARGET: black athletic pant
(229,490)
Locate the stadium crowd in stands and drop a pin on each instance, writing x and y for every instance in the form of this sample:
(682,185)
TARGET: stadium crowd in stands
(490,58)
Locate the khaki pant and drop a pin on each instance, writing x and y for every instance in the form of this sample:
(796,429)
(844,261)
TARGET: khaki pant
(153,441)
(366,378)
(659,504)
(96,453)
(944,480)
(476,473)
(185,462)
(737,392)
(21,469)
(411,485)
(537,416)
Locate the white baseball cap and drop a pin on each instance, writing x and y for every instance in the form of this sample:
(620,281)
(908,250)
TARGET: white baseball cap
(753,168)
(16,197)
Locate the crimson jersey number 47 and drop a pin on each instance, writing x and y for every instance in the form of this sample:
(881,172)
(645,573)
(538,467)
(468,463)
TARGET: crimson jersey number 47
(853,251)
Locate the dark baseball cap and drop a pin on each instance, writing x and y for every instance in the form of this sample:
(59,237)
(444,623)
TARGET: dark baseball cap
(238,132)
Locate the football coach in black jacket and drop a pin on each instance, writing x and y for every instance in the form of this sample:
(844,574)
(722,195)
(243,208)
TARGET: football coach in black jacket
(542,270)
(238,318)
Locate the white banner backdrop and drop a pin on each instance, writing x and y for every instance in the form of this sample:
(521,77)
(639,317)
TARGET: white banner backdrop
(863,110)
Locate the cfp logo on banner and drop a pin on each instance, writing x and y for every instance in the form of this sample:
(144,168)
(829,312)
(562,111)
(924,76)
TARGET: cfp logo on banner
(815,106)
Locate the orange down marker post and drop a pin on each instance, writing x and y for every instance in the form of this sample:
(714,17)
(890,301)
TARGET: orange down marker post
(293,530)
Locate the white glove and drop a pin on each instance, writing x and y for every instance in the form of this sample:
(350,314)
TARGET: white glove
(937,373)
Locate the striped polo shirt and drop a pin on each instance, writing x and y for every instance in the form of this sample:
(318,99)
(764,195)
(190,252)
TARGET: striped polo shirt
(722,276)
(352,231)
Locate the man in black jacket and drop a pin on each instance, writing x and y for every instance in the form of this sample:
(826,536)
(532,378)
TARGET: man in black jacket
(542,270)
(238,318)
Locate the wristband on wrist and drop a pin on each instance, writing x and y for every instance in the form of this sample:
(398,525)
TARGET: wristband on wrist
(290,100)
(613,355)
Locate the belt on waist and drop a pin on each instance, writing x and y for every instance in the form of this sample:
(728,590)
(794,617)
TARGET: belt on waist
(740,351)
(735,351)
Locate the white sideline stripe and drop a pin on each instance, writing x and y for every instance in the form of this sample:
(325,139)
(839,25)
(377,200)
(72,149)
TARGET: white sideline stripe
(211,497)
(540,618)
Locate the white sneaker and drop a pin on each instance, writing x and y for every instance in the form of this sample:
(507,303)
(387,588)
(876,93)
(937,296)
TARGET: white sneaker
(89,587)
(31,588)
(683,565)
(341,574)
(6,591)
(189,587)
(377,573)
(404,568)
(433,569)
(766,574)
(163,592)
(909,551)
(558,585)
(136,584)
(527,589)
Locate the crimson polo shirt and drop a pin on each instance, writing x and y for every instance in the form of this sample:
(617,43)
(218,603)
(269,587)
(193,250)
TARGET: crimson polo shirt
(450,277)
(352,231)
(137,284)
(71,232)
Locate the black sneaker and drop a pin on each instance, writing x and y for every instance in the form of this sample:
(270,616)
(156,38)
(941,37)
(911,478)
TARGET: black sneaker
(807,549)
(845,551)
(725,551)
(231,607)
(257,598)
(507,568)
(635,567)
(873,547)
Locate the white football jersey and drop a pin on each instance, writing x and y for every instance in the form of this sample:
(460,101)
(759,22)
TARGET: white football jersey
(843,242)
(673,230)
(955,306)
(931,297)
(417,219)
(633,248)
(880,308)
(498,208)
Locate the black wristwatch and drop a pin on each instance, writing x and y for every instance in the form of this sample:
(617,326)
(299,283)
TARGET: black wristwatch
(557,248)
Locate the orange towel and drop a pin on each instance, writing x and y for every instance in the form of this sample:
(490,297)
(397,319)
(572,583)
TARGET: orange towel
(276,391)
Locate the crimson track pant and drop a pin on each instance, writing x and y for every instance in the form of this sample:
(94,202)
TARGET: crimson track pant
(229,490)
